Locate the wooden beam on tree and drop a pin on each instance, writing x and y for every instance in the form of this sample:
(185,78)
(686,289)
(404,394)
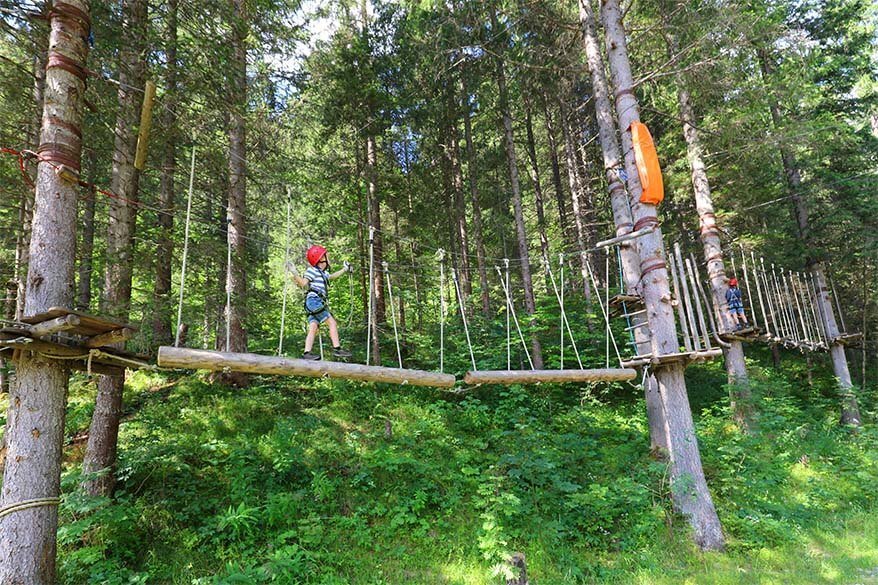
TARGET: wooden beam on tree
(549,376)
(110,337)
(216,361)
(65,323)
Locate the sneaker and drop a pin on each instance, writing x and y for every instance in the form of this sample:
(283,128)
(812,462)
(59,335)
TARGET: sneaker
(738,327)
(311,356)
(341,353)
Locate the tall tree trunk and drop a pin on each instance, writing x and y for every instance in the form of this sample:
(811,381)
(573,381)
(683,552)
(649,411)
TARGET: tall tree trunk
(25,210)
(86,255)
(236,208)
(629,258)
(99,461)
(576,196)
(688,485)
(378,305)
(35,423)
(472,167)
(538,187)
(560,199)
(521,232)
(162,302)
(739,382)
(400,299)
(452,153)
(850,410)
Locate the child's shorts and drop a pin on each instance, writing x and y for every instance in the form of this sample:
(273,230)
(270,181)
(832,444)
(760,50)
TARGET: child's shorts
(736,310)
(313,303)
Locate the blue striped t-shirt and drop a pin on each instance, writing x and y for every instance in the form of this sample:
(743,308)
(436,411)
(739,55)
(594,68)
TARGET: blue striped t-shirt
(319,281)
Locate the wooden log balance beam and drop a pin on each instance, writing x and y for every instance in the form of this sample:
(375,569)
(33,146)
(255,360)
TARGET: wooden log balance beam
(217,361)
(549,376)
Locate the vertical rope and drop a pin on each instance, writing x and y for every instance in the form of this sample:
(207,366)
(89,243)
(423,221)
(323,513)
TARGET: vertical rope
(607,301)
(228,285)
(837,304)
(185,250)
(371,292)
(604,310)
(680,305)
(283,311)
(441,256)
(747,284)
(701,322)
(320,342)
(508,328)
(687,298)
(774,324)
(759,292)
(392,312)
(561,302)
(511,309)
(463,316)
(818,326)
(565,322)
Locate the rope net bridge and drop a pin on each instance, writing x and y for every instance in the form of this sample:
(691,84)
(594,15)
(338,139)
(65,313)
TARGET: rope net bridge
(784,308)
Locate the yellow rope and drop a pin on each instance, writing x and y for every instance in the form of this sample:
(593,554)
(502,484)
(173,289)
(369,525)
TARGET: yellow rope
(29,504)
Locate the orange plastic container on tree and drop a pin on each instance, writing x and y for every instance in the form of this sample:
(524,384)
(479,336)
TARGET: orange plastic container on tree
(647,165)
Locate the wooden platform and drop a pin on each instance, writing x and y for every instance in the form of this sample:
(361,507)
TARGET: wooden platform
(848,339)
(216,361)
(85,342)
(549,376)
(745,334)
(685,357)
(89,325)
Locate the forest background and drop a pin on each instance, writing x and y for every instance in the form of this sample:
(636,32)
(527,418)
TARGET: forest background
(311,124)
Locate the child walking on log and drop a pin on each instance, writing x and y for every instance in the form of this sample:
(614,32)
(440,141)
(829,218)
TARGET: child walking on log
(736,305)
(316,282)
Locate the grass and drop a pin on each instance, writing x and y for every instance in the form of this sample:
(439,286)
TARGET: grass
(286,482)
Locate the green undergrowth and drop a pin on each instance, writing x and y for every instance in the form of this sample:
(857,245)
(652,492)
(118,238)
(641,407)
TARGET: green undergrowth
(323,482)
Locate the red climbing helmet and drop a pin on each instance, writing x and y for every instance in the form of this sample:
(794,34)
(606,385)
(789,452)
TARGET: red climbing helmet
(733,281)
(315,253)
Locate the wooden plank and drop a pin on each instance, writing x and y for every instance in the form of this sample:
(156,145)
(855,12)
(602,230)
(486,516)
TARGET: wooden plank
(549,376)
(110,337)
(692,356)
(180,357)
(51,326)
(89,325)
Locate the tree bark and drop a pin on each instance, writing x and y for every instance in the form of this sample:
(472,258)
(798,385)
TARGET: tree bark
(236,208)
(551,134)
(378,306)
(736,369)
(481,263)
(576,196)
(452,153)
(25,210)
(35,425)
(538,188)
(521,232)
(688,485)
(99,461)
(850,410)
(630,259)
(162,301)
(86,255)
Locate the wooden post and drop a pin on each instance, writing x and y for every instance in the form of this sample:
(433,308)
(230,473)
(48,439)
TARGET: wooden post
(549,376)
(145,125)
